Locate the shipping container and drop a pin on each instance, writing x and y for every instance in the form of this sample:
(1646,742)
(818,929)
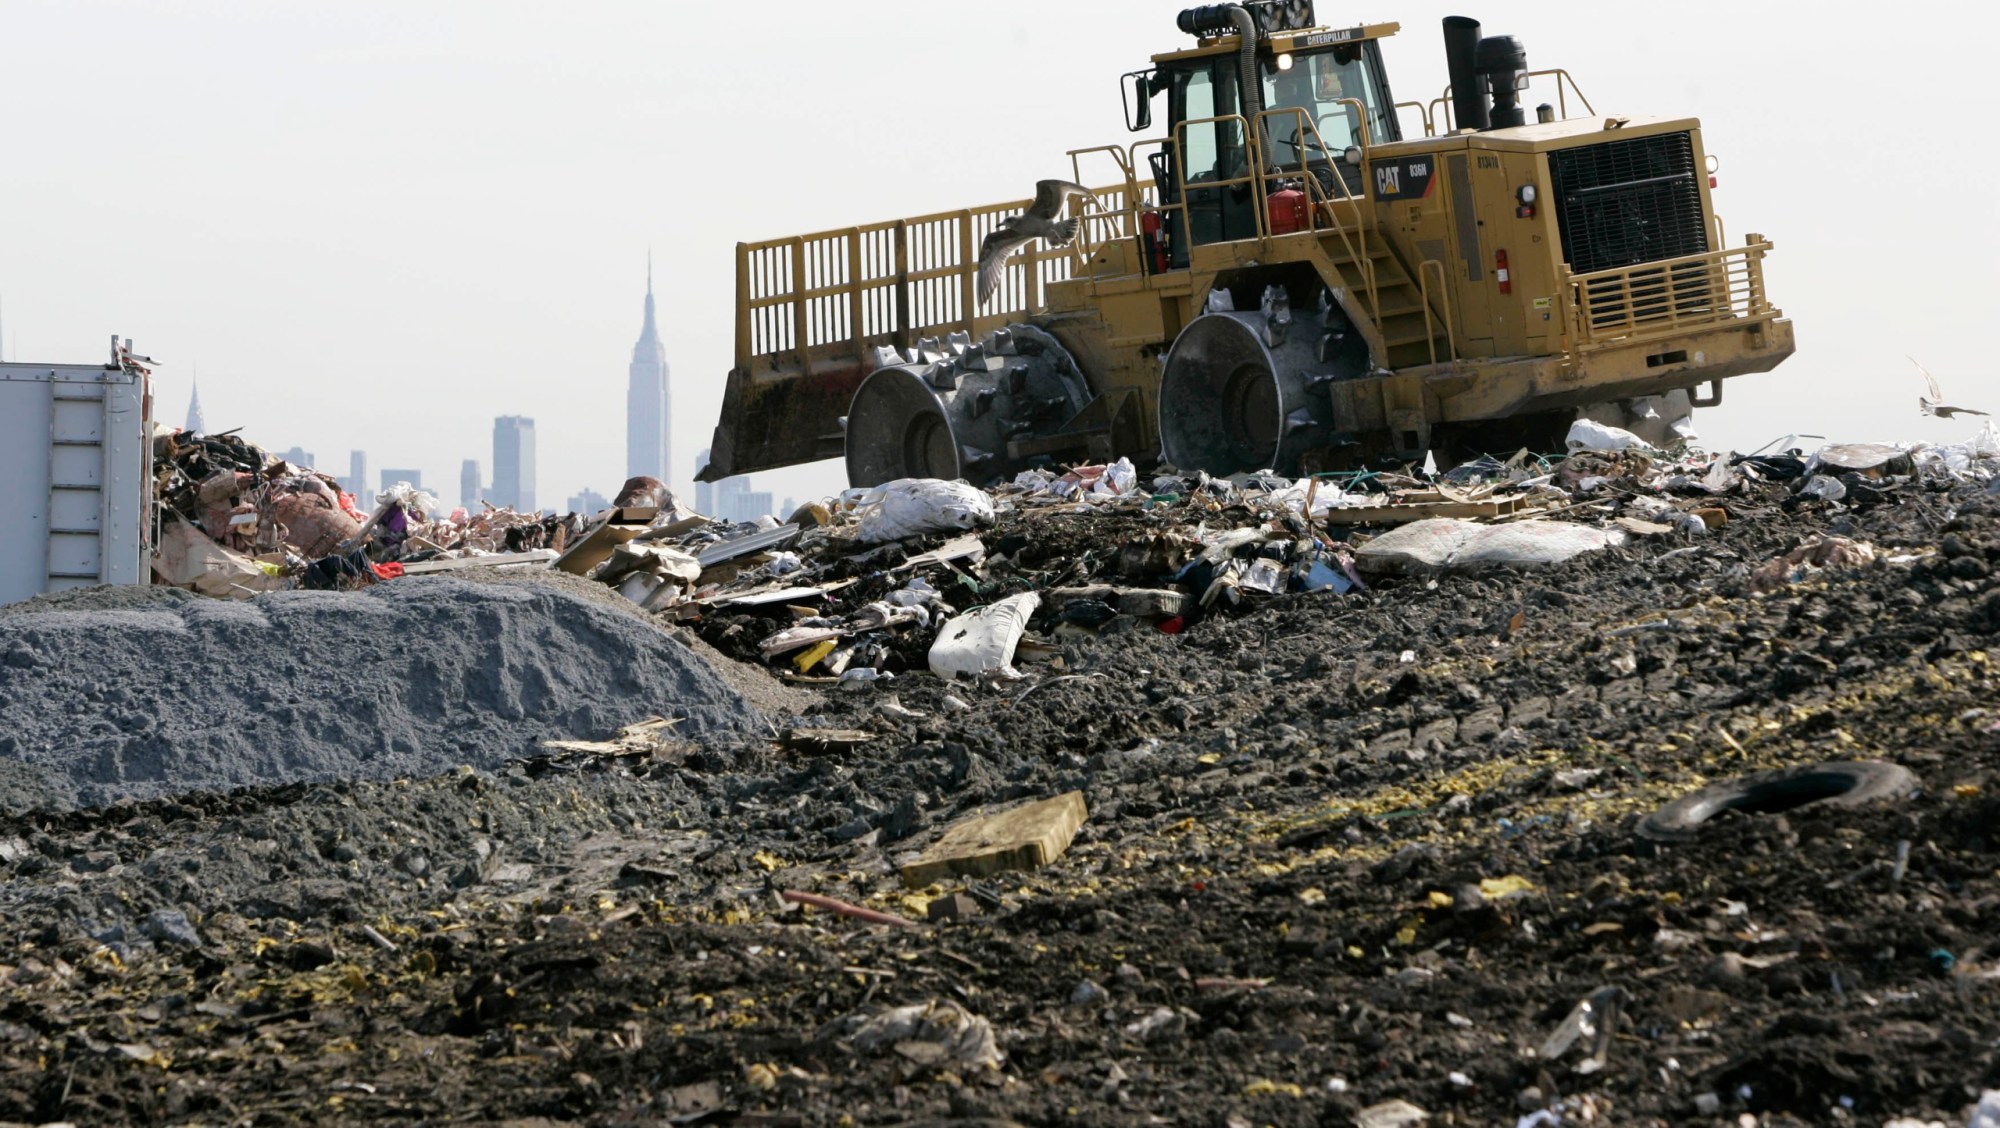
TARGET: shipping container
(75,471)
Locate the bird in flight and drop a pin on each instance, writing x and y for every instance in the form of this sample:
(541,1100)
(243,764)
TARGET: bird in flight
(1933,404)
(1043,220)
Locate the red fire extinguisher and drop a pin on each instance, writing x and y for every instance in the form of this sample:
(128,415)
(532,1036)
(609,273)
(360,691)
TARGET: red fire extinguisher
(1153,227)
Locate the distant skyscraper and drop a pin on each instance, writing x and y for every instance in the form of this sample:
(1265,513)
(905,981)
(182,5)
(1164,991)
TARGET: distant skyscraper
(356,482)
(468,485)
(648,405)
(588,502)
(195,422)
(514,463)
(736,502)
(297,456)
(391,477)
(704,492)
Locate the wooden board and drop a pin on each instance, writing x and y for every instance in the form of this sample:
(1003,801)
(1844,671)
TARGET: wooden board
(1422,511)
(1020,838)
(495,560)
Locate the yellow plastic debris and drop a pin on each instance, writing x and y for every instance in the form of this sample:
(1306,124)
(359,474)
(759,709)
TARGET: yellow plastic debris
(1513,885)
(812,655)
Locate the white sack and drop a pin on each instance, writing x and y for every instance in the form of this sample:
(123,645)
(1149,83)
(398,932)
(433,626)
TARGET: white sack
(1415,549)
(1586,434)
(1531,544)
(982,640)
(909,507)
(1447,544)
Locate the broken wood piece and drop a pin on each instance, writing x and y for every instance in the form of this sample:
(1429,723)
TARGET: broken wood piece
(872,916)
(968,547)
(1020,838)
(1402,514)
(825,739)
(491,560)
(632,740)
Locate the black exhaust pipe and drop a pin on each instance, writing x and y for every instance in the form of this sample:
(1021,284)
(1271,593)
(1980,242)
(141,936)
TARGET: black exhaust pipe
(1501,61)
(1461,56)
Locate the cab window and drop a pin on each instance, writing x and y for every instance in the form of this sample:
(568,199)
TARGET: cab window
(1316,85)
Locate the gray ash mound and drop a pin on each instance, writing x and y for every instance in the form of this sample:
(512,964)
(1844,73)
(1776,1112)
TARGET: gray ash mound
(133,694)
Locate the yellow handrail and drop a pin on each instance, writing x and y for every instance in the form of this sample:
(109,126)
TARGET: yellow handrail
(1666,298)
(1357,245)
(1424,294)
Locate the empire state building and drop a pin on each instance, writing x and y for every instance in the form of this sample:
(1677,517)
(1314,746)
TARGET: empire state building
(648,406)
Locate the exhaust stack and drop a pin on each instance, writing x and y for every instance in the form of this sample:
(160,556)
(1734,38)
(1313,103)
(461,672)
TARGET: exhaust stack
(1468,94)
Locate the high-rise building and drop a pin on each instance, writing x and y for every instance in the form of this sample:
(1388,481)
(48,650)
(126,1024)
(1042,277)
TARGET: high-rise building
(297,456)
(413,477)
(737,503)
(469,490)
(356,482)
(648,406)
(704,492)
(514,463)
(195,422)
(588,503)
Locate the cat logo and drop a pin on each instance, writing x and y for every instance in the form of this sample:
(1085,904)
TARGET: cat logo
(1388,180)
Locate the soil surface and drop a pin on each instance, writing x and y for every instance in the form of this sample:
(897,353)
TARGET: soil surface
(1341,851)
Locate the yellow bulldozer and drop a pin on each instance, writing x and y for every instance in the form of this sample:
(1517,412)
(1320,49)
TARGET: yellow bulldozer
(1282,280)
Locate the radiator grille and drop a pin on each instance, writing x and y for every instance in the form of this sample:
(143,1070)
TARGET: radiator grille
(1627,202)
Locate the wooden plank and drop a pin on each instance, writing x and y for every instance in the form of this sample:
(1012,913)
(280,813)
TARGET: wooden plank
(494,560)
(825,739)
(1020,838)
(1422,511)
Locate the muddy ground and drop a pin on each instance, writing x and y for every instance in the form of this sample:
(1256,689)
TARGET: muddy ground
(1316,877)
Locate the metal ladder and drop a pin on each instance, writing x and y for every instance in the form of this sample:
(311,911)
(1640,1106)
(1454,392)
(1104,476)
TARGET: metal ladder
(76,485)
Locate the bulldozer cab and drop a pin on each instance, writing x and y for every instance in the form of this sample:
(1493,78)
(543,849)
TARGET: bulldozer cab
(1315,102)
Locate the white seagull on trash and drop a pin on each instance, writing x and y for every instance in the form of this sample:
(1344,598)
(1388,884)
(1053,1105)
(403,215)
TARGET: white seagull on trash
(1042,220)
(1933,404)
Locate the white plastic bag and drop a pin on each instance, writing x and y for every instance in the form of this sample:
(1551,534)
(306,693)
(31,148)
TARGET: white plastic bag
(1119,478)
(1587,434)
(909,507)
(982,640)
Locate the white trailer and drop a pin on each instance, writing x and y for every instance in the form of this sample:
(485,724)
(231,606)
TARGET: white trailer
(76,468)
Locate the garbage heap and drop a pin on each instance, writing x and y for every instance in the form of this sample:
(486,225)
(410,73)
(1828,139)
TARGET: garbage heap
(924,575)
(236,521)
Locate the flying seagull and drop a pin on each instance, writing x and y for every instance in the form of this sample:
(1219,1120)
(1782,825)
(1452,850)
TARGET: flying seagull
(1933,404)
(1043,220)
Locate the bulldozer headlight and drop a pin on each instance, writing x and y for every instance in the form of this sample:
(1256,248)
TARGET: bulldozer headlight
(1526,195)
(1285,60)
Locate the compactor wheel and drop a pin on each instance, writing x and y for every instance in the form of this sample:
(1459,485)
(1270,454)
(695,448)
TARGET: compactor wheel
(950,407)
(1247,391)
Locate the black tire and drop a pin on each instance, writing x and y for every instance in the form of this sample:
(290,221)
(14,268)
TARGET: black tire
(1769,793)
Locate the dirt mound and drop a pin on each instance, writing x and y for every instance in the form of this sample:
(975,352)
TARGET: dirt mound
(122,694)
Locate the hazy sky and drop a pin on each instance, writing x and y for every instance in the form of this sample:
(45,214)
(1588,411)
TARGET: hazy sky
(377,225)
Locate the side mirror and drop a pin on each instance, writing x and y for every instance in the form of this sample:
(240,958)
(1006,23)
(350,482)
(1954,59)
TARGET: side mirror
(1139,117)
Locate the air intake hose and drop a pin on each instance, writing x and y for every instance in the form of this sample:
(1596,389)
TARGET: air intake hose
(1246,66)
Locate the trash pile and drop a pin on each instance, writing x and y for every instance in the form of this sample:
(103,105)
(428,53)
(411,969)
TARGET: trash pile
(965,583)
(237,521)
(968,584)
